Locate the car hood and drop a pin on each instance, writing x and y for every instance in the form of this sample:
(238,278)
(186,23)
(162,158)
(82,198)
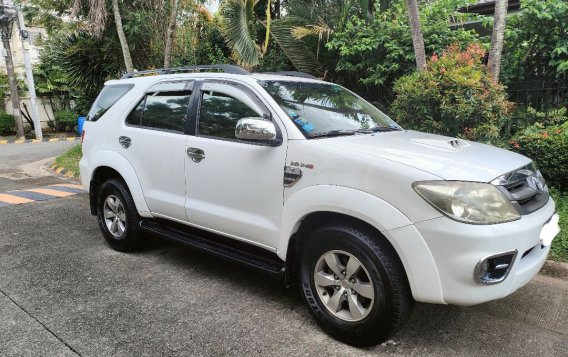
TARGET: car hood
(446,157)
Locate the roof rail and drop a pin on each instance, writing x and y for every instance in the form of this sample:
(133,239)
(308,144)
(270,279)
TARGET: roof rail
(225,68)
(292,74)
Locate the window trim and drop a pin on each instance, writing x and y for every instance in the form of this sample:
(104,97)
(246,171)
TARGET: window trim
(194,130)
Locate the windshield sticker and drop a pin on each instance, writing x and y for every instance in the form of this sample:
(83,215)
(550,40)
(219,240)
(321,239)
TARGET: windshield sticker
(304,124)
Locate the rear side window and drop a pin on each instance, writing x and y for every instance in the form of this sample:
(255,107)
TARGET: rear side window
(166,110)
(164,107)
(106,99)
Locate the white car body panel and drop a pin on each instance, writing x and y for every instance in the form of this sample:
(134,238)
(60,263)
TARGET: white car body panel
(236,190)
(158,158)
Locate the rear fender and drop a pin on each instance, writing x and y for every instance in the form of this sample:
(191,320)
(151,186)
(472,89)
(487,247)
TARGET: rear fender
(119,163)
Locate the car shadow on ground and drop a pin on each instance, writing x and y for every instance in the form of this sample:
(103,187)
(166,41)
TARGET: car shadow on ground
(452,329)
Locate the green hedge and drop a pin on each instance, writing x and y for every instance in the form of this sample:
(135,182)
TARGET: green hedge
(65,120)
(548,147)
(7,124)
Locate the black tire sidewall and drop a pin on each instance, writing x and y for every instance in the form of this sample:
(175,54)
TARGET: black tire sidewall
(128,239)
(376,326)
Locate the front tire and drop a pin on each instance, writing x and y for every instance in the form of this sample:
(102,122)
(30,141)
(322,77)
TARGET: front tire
(354,284)
(117,216)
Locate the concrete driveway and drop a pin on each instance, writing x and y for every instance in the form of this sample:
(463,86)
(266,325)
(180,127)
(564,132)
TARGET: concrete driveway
(63,292)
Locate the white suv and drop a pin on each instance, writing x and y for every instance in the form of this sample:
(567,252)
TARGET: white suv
(306,181)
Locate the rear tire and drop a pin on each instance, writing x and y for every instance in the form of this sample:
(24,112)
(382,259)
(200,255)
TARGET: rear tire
(361,296)
(117,215)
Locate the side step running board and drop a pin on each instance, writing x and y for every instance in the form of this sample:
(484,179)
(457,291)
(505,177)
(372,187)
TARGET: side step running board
(219,247)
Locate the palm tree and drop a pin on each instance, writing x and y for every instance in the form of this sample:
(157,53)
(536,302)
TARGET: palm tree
(170,34)
(98,15)
(494,60)
(304,20)
(417,38)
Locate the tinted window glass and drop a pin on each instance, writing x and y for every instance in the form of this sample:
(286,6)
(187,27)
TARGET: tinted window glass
(106,99)
(166,110)
(135,115)
(220,113)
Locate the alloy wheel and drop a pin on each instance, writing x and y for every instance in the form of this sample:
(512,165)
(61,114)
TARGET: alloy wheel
(344,285)
(114,216)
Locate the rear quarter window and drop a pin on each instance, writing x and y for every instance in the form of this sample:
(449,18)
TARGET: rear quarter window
(106,99)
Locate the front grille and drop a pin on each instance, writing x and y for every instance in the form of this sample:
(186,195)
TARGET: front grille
(525,187)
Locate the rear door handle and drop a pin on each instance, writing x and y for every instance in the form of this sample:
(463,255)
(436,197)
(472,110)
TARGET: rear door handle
(125,141)
(196,154)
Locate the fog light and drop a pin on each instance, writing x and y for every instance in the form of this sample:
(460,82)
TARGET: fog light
(494,269)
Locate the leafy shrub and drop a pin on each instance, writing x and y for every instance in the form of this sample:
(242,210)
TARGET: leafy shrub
(453,96)
(65,120)
(7,123)
(548,147)
(529,116)
(559,249)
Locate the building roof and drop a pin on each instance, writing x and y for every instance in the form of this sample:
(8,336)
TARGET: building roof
(487,7)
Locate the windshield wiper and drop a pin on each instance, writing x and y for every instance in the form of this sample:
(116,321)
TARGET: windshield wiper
(384,128)
(332,133)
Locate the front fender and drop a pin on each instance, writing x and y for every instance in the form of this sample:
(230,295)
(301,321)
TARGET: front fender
(420,267)
(119,163)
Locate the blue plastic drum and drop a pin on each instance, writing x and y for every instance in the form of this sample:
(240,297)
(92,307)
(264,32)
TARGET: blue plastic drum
(80,122)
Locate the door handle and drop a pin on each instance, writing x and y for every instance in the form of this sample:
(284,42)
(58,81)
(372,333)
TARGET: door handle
(125,141)
(196,154)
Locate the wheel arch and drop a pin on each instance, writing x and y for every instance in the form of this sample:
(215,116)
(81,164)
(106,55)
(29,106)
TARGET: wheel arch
(108,164)
(300,215)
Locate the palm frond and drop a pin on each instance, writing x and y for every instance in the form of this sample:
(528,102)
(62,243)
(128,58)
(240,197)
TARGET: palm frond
(87,61)
(301,57)
(238,19)
(321,31)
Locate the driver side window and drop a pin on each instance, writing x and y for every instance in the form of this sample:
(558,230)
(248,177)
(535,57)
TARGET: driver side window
(222,106)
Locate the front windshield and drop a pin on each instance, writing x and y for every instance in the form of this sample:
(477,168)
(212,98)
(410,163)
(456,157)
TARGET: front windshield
(325,109)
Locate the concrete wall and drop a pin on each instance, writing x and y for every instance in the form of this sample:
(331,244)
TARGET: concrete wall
(43,106)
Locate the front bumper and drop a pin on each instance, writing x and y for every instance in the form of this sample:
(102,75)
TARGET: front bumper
(457,248)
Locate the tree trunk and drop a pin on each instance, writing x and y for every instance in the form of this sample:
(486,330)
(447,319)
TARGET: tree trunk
(170,34)
(14,96)
(277,9)
(267,33)
(417,39)
(494,60)
(122,37)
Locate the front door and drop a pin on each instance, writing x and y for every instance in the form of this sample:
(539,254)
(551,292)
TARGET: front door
(234,187)
(153,140)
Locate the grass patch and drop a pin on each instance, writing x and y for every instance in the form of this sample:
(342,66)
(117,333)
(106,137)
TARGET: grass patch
(559,249)
(70,160)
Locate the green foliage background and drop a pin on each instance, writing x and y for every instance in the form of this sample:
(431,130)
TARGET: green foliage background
(453,96)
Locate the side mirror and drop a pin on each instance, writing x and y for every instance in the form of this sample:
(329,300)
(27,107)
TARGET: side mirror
(258,129)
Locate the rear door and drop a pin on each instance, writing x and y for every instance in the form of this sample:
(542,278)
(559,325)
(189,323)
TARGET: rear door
(153,139)
(234,187)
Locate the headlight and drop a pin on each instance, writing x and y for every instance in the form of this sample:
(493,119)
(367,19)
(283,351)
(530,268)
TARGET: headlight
(469,202)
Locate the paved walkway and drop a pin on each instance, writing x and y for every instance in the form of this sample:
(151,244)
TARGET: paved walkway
(36,141)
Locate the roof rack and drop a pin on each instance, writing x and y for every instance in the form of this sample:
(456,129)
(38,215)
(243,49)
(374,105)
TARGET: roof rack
(225,68)
(292,74)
